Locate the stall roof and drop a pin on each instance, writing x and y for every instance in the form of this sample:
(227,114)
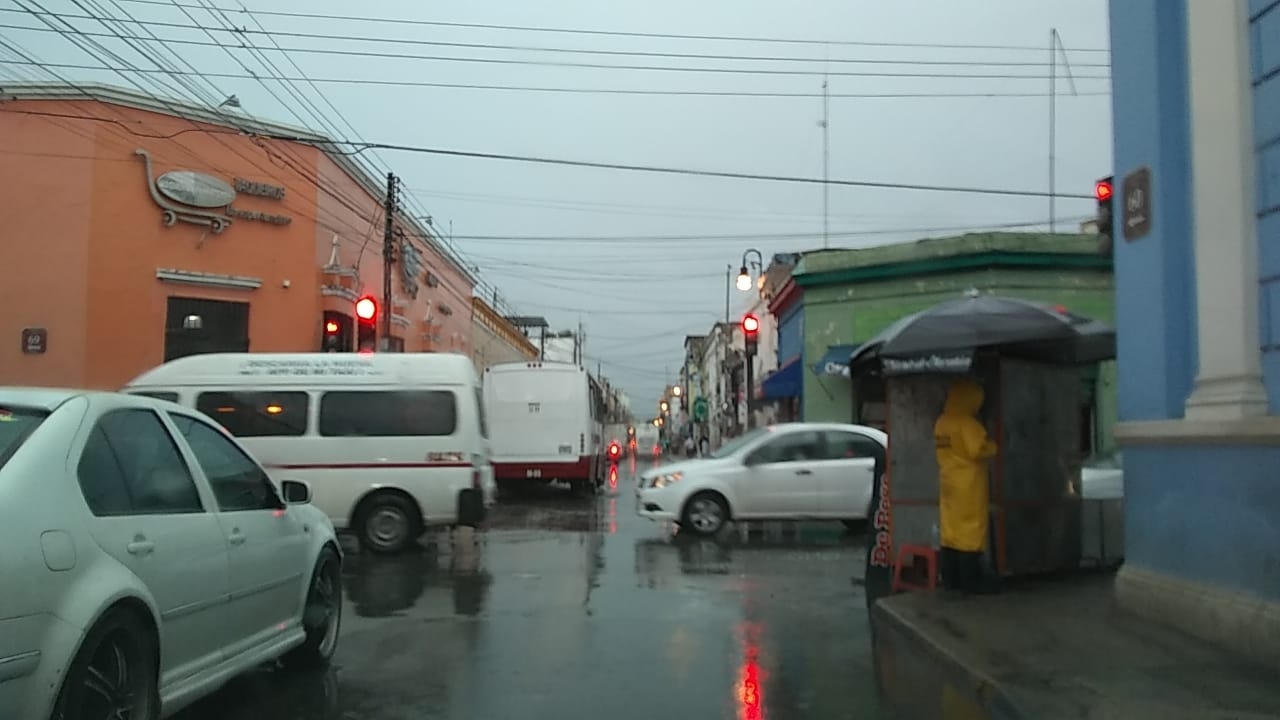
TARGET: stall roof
(836,361)
(784,382)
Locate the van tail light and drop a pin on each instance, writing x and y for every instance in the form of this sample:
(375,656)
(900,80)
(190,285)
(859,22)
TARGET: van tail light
(582,443)
(475,478)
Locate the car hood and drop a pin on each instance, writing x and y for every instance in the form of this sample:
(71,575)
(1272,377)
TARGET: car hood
(684,467)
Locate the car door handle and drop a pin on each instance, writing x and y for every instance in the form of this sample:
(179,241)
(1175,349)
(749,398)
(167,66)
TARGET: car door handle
(140,546)
(804,472)
(236,537)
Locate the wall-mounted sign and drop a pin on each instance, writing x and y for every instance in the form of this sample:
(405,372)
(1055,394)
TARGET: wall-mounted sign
(259,216)
(410,267)
(172,211)
(195,189)
(260,189)
(1135,193)
(35,341)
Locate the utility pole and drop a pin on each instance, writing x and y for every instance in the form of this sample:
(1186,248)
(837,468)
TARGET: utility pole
(1053,126)
(826,165)
(728,283)
(388,258)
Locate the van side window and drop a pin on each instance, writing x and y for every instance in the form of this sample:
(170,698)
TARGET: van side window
(484,421)
(157,394)
(393,413)
(257,413)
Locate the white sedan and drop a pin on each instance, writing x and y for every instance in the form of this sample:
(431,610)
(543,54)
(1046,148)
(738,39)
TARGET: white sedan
(792,471)
(147,559)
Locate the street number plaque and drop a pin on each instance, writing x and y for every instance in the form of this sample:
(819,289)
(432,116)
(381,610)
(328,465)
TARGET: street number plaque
(35,341)
(1135,193)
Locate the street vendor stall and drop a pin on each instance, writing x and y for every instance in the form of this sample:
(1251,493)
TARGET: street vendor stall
(1024,357)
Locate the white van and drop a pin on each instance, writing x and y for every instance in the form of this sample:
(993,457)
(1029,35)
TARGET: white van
(391,443)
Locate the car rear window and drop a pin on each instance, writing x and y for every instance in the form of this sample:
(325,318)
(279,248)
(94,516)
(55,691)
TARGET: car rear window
(16,424)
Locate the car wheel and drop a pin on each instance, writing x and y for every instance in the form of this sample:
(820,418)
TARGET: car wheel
(115,674)
(705,514)
(389,523)
(322,615)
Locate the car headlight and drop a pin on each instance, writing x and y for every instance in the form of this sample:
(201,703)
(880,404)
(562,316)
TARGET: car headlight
(669,479)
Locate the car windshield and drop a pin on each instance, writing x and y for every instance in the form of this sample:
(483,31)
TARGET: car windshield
(737,443)
(16,423)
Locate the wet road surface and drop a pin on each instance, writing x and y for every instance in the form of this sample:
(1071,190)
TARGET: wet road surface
(570,608)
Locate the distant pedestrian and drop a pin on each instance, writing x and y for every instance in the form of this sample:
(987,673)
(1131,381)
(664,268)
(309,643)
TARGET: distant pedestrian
(690,450)
(704,446)
(963,451)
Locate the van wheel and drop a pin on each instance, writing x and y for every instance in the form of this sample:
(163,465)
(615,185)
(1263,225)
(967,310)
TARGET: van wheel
(388,523)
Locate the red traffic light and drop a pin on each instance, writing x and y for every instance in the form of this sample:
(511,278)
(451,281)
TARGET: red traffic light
(331,328)
(1102,190)
(367,308)
(750,324)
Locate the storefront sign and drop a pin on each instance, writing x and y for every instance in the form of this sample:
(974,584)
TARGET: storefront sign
(331,366)
(936,363)
(195,189)
(260,189)
(35,341)
(259,216)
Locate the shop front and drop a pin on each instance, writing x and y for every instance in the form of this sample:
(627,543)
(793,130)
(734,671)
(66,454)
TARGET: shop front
(145,231)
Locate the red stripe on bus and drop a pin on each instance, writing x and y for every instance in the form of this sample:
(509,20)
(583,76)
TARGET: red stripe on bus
(369,466)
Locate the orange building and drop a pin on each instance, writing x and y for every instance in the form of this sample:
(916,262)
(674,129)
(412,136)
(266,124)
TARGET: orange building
(136,231)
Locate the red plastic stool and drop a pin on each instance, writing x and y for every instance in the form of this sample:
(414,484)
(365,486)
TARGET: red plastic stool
(913,553)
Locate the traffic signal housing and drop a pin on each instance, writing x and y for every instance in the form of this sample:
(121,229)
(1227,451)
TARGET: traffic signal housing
(1103,192)
(335,332)
(366,324)
(750,331)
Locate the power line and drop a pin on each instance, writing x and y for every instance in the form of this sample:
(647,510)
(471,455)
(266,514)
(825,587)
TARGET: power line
(576,64)
(346,37)
(384,82)
(533,159)
(620,33)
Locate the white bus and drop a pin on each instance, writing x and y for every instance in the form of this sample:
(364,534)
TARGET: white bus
(390,443)
(545,424)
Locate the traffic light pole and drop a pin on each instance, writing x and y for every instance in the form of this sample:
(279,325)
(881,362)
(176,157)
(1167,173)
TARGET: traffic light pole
(388,259)
(750,390)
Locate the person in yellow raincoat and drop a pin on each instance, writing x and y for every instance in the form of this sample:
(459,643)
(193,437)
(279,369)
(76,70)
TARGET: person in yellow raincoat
(963,451)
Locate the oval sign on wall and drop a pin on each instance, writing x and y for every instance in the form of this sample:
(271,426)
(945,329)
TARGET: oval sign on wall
(195,189)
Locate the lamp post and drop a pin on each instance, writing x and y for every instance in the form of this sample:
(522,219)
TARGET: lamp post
(744,273)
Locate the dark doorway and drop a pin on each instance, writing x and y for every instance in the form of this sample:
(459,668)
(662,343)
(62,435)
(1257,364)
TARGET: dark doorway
(195,326)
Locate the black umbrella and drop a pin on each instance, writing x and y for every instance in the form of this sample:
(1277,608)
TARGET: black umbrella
(1011,326)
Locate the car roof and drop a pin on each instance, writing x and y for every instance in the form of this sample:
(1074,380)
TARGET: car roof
(50,398)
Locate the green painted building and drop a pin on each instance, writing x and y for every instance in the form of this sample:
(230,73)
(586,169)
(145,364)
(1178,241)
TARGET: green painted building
(850,295)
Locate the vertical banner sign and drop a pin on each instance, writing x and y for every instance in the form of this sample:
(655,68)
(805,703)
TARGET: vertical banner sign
(879,566)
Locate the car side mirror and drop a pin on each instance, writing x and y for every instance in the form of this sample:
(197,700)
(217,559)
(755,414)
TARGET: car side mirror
(295,492)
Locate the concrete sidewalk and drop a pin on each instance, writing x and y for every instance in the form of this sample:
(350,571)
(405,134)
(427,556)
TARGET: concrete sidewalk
(1054,649)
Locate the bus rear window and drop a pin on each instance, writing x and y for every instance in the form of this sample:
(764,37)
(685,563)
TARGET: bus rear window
(16,425)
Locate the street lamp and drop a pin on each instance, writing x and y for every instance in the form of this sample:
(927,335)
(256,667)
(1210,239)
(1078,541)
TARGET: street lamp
(675,390)
(744,274)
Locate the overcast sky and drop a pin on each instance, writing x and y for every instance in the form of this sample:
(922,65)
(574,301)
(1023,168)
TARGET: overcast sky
(643,257)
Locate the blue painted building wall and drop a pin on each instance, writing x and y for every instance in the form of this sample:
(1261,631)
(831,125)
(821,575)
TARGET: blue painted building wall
(1265,61)
(1201,514)
(790,334)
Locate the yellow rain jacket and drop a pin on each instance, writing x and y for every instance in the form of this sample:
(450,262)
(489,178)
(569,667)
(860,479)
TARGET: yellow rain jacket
(962,448)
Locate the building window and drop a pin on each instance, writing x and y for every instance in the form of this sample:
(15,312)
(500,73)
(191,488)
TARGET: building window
(392,413)
(257,414)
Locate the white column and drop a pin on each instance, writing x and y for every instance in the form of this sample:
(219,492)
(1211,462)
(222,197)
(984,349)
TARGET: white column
(1229,383)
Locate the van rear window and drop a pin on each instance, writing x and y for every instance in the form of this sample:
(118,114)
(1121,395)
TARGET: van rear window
(16,424)
(392,413)
(257,413)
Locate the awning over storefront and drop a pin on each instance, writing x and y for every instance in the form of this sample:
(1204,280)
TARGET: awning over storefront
(784,382)
(836,361)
